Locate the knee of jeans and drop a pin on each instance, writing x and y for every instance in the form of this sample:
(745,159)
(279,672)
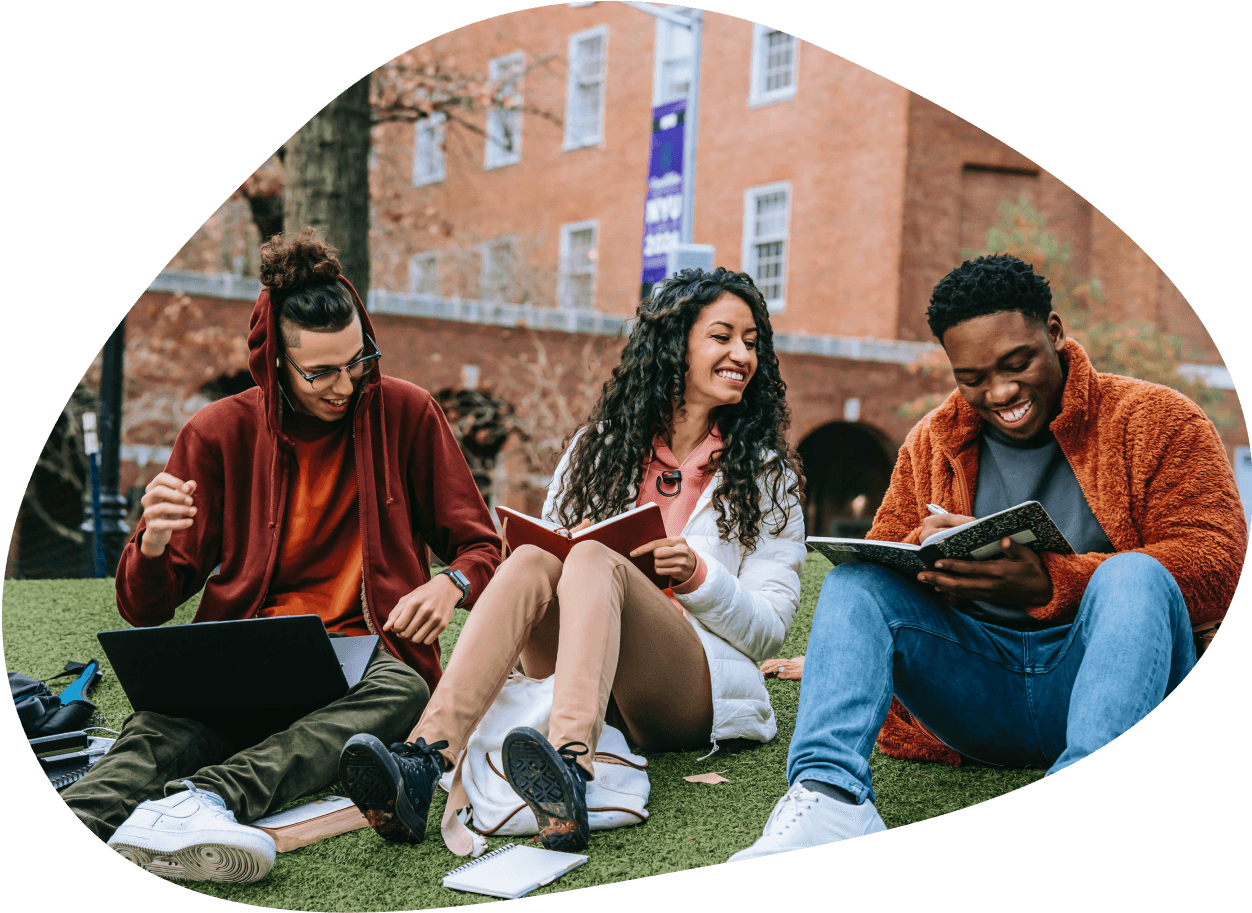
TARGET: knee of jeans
(1136,572)
(525,564)
(589,551)
(528,559)
(864,577)
(1131,569)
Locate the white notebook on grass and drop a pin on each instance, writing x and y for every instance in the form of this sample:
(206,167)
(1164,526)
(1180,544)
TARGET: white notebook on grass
(512,871)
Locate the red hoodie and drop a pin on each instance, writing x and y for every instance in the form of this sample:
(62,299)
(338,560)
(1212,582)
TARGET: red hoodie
(416,493)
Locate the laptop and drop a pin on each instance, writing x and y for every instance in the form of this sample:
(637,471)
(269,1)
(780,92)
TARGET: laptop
(251,674)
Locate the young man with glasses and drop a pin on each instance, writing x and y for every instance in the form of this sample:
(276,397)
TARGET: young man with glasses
(320,491)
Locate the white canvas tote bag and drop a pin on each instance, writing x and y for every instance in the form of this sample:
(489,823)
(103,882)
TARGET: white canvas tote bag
(617,797)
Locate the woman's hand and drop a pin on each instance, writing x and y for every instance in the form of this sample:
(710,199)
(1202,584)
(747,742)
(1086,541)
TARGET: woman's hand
(673,556)
(422,615)
(785,669)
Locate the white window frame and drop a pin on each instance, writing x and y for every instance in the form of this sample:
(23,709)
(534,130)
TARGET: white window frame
(664,30)
(757,94)
(751,239)
(428,134)
(419,264)
(571,88)
(498,292)
(564,290)
(494,154)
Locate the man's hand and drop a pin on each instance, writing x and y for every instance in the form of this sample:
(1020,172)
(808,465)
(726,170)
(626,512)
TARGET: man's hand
(937,522)
(673,557)
(422,615)
(167,506)
(1018,578)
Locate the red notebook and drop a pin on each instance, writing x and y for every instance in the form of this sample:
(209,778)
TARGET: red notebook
(623,533)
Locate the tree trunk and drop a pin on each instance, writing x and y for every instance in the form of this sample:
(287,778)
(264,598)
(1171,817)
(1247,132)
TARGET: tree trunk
(326,180)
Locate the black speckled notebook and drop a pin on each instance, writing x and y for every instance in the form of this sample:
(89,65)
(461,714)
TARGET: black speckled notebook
(977,540)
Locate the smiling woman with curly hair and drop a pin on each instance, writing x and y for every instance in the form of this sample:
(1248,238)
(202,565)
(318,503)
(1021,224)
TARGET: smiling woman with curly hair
(693,419)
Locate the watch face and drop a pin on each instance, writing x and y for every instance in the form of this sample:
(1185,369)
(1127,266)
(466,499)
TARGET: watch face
(460,580)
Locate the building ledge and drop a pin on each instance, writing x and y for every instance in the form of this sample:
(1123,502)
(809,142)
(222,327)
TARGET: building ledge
(590,322)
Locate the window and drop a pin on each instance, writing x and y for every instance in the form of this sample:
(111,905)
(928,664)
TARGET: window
(774,66)
(497,273)
(428,150)
(766,214)
(424,273)
(675,57)
(577,287)
(584,99)
(504,117)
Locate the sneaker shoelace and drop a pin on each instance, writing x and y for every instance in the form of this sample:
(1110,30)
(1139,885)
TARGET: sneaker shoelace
(570,756)
(416,753)
(210,801)
(790,802)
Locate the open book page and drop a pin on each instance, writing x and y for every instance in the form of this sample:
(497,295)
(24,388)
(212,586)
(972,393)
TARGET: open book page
(622,533)
(900,556)
(977,540)
(617,518)
(1027,523)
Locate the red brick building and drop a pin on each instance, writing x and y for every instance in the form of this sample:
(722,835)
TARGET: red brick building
(509,259)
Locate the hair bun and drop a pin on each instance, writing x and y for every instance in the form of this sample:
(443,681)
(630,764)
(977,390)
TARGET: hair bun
(292,262)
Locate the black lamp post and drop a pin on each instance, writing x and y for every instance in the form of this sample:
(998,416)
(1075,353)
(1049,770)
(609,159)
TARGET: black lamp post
(113,529)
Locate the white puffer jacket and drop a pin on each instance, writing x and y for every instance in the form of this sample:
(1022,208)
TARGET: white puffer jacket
(742,611)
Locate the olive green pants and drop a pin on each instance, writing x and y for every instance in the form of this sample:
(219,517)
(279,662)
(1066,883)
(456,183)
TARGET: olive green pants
(155,753)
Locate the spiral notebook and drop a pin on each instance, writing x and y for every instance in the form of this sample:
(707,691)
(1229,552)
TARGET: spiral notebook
(512,871)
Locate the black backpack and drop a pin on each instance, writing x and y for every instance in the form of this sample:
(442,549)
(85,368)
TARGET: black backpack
(44,713)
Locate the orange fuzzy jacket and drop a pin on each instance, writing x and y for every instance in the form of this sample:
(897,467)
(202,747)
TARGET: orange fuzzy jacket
(1151,467)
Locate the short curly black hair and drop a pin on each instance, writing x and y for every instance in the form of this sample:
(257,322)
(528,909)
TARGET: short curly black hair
(988,285)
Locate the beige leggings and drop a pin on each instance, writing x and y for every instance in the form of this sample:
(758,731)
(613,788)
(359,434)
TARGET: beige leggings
(603,628)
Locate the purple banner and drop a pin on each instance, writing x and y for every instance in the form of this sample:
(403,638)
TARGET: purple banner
(663,210)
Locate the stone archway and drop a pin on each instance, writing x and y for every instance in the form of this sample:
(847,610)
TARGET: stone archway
(847,467)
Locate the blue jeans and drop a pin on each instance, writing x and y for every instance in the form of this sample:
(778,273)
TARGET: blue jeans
(1010,698)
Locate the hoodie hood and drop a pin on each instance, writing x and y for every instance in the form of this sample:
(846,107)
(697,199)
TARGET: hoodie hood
(265,355)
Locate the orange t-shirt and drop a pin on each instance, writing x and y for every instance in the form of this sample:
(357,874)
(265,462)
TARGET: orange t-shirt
(318,571)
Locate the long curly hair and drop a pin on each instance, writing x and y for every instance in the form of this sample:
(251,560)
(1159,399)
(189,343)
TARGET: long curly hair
(646,391)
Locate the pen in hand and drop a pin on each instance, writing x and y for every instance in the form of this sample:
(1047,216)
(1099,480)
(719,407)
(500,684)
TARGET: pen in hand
(936,509)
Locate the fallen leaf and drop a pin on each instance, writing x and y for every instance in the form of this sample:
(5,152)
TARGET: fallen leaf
(713,777)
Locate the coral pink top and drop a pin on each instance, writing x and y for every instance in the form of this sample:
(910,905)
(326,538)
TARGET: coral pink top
(678,500)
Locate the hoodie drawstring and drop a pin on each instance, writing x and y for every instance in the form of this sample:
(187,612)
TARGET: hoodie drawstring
(382,425)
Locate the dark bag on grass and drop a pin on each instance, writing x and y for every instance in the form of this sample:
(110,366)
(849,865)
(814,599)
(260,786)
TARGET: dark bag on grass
(44,713)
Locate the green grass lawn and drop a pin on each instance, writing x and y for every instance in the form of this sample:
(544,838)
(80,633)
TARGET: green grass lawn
(46,623)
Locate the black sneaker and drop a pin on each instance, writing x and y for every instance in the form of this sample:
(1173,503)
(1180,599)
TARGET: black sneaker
(552,784)
(392,788)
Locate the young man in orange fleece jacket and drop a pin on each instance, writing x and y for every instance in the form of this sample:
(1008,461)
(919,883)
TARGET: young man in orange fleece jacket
(1027,660)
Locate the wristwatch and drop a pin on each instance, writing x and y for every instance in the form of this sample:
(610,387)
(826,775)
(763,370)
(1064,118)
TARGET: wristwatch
(460,580)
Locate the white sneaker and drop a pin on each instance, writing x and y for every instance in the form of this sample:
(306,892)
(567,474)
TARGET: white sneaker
(190,836)
(803,818)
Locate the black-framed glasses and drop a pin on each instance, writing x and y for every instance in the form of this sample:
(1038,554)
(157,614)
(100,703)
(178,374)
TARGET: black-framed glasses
(356,370)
